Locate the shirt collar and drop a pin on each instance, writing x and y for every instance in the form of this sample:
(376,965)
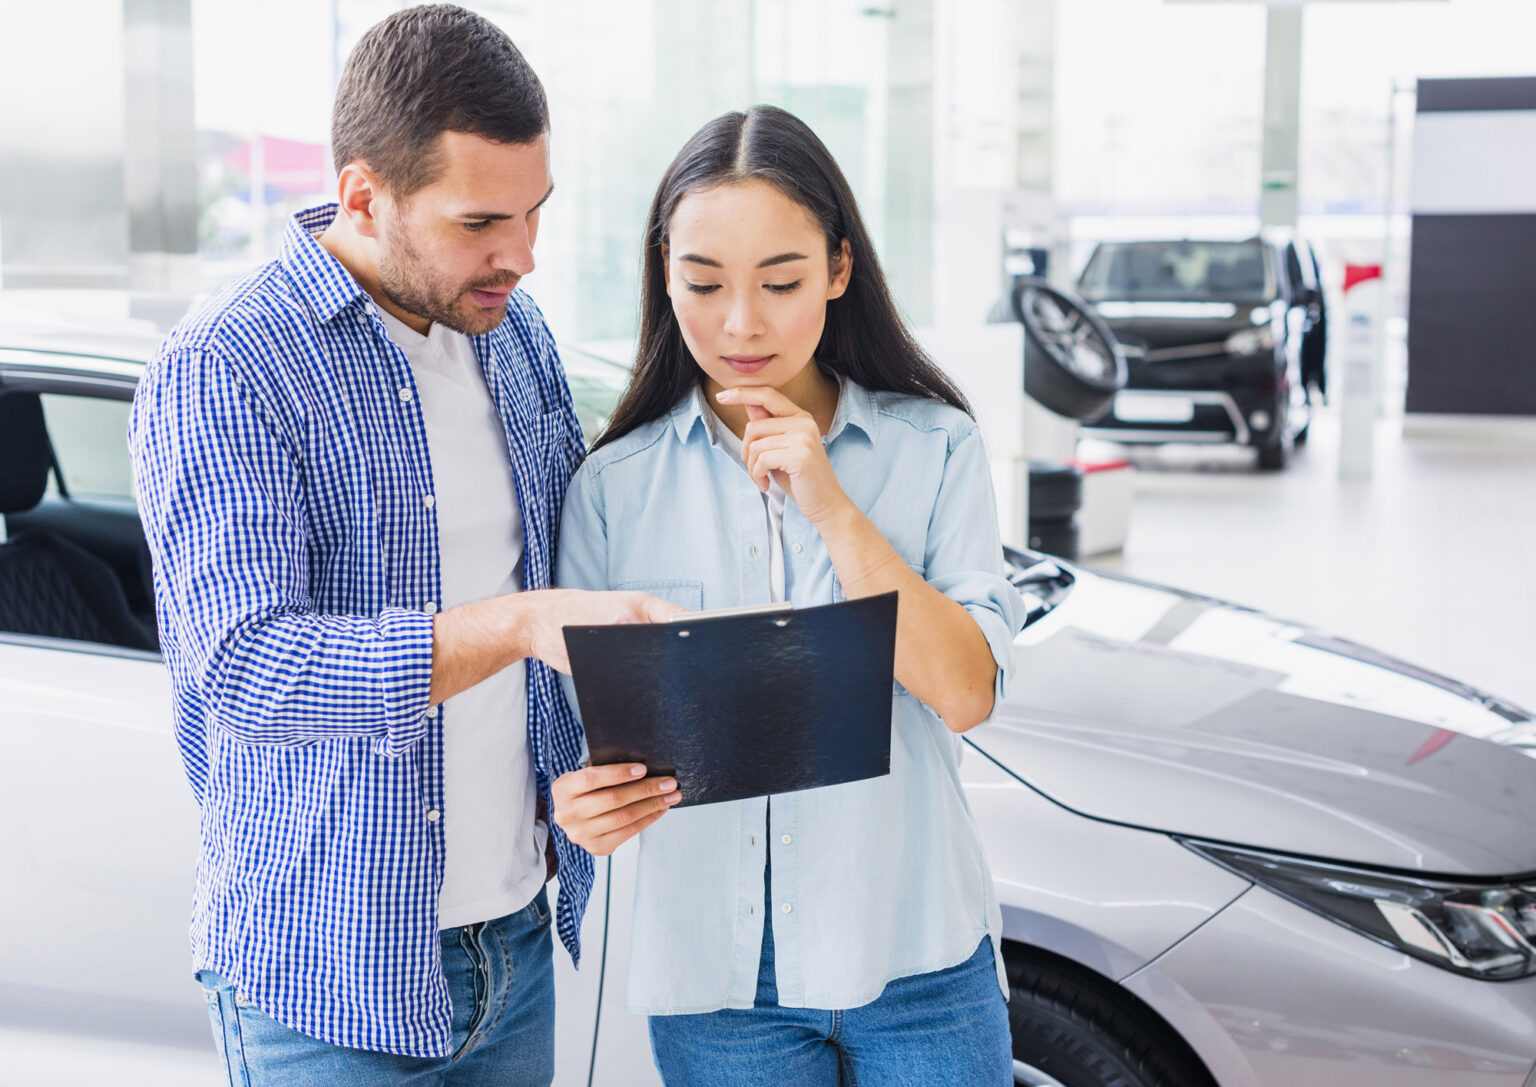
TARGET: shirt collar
(321,279)
(855,408)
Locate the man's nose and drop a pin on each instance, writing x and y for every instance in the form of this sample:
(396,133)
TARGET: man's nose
(516,254)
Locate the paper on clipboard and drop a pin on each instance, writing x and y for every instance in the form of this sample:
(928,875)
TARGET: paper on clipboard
(747,704)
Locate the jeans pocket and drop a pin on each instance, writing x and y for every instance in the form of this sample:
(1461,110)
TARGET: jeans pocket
(539,909)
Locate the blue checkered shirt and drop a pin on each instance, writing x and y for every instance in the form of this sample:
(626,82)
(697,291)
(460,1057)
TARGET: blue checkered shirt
(283,475)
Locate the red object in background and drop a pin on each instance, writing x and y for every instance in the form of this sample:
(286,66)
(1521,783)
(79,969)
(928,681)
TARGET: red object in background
(1359,273)
(1087,467)
(292,166)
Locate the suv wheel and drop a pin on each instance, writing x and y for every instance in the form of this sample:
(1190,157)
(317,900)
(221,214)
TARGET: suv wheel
(1274,455)
(1080,1031)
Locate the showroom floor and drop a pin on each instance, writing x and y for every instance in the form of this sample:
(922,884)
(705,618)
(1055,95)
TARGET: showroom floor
(1434,560)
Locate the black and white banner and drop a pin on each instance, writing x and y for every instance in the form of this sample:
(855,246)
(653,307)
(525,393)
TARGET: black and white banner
(1472,298)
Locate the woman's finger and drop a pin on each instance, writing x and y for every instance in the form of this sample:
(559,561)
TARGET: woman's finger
(770,461)
(620,818)
(762,446)
(771,400)
(607,843)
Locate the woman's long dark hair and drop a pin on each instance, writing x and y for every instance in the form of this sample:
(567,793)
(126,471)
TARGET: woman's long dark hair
(864,339)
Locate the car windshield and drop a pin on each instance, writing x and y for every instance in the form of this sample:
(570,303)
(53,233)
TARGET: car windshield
(1183,271)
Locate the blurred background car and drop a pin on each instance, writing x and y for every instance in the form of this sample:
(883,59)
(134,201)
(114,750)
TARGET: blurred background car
(1224,341)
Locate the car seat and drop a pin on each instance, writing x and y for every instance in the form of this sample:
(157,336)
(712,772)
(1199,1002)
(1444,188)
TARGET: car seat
(50,587)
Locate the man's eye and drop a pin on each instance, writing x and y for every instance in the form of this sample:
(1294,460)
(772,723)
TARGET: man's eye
(477,225)
(703,288)
(783,288)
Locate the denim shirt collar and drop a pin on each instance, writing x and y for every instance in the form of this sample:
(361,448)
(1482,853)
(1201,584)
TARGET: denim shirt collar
(855,408)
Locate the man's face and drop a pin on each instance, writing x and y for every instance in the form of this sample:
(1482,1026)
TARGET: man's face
(452,252)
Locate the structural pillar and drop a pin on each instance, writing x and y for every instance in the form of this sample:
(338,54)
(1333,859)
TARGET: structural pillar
(1281,159)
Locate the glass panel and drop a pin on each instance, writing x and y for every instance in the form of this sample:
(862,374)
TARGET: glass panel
(90,439)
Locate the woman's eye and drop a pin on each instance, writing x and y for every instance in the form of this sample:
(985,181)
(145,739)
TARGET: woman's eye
(783,288)
(703,288)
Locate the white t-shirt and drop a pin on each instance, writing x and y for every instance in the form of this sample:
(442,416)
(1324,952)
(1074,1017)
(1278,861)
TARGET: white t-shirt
(773,506)
(495,847)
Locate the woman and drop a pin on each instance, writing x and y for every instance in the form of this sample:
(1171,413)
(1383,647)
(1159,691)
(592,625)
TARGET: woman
(784,438)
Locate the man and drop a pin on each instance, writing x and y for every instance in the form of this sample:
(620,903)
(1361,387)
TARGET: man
(350,465)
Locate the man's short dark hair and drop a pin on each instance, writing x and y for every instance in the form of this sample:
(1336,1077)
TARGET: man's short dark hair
(425,71)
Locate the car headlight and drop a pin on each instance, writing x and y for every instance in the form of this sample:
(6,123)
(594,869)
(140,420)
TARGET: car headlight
(1483,931)
(1250,341)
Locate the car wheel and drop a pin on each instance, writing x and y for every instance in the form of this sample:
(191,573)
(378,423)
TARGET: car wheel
(1055,490)
(1078,1031)
(1073,364)
(1054,537)
(1273,456)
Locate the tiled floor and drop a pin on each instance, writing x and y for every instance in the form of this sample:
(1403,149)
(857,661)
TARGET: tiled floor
(1434,560)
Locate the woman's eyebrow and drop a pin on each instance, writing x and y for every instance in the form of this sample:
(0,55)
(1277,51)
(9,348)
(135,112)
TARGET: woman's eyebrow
(782,258)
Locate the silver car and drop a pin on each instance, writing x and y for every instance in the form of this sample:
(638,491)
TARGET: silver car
(1229,849)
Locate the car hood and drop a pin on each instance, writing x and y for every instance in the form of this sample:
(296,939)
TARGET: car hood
(1146,706)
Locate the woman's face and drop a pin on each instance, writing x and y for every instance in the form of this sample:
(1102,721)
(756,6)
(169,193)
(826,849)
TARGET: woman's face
(749,279)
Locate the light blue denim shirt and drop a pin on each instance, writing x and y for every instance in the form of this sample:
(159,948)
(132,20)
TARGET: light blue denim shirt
(872,880)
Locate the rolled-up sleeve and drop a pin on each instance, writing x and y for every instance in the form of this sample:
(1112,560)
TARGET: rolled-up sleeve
(221,498)
(964,552)
(582,561)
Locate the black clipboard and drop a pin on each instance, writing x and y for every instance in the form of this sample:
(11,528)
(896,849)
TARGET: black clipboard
(737,706)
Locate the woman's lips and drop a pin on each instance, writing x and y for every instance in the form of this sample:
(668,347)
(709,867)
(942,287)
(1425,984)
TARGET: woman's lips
(747,364)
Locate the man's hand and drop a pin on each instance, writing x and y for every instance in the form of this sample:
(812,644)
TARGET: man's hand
(473,641)
(602,807)
(558,608)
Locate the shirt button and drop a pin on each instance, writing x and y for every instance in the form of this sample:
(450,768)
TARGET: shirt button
(797,549)
(787,907)
(754,551)
(431,713)
(786,839)
(406,395)
(433,815)
(430,607)
(428,501)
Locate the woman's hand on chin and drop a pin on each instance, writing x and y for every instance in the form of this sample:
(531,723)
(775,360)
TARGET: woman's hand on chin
(602,807)
(782,444)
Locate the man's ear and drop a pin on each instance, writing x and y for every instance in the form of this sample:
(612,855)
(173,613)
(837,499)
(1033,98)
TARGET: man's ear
(842,270)
(358,192)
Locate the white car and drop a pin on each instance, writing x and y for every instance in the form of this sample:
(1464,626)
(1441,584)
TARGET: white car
(1230,850)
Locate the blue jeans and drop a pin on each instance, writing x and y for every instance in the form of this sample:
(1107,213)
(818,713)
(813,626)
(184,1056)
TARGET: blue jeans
(501,980)
(949,1027)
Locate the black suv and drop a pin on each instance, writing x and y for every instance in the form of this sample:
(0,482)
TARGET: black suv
(1224,340)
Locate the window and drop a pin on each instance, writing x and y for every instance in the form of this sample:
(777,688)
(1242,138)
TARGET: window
(90,440)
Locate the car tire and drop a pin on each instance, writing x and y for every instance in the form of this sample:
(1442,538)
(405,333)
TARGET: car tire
(1085,1032)
(1055,537)
(1275,455)
(1055,491)
(1073,365)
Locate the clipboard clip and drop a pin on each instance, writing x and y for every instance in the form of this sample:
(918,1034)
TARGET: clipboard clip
(781,609)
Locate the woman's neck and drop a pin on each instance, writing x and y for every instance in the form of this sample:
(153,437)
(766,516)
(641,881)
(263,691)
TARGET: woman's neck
(811,390)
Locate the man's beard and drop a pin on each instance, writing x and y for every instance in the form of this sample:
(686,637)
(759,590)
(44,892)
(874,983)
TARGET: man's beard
(407,281)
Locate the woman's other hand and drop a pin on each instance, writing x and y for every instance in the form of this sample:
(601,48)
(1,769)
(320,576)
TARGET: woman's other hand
(602,807)
(782,443)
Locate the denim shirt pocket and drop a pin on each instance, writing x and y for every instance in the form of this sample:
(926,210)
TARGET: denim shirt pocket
(679,591)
